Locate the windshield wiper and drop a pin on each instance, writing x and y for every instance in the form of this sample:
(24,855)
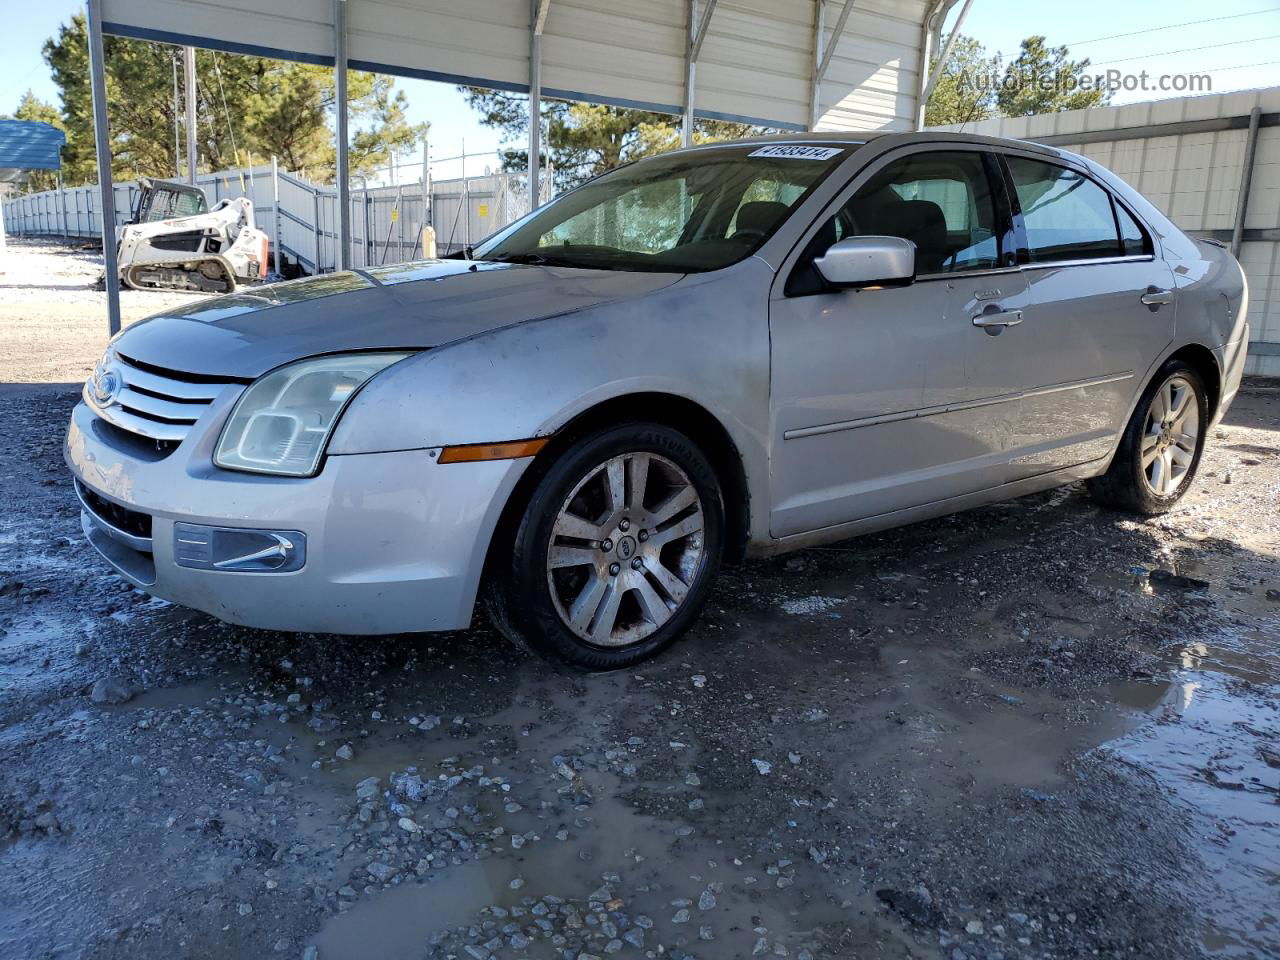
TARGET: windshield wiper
(535,258)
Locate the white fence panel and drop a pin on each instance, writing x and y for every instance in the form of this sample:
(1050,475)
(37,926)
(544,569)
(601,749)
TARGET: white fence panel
(386,222)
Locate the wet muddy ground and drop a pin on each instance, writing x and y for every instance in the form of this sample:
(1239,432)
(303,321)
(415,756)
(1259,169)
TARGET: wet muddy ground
(1036,730)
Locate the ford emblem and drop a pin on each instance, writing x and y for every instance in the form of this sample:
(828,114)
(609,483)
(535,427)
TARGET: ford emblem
(105,385)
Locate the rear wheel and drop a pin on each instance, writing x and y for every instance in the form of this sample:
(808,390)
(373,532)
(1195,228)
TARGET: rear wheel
(615,554)
(1160,451)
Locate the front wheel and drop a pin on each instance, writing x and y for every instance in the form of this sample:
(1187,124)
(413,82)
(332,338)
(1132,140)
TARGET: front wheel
(1160,450)
(614,556)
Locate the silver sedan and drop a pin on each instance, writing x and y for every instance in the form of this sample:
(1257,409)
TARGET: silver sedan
(733,350)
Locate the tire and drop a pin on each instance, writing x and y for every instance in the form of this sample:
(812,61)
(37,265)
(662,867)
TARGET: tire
(598,579)
(1170,441)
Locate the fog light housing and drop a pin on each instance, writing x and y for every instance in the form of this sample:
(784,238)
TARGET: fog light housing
(237,549)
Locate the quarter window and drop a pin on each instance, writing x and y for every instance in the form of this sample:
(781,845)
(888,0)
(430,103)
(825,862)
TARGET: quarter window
(1133,239)
(1066,215)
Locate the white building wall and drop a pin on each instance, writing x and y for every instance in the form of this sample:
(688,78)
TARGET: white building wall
(1193,177)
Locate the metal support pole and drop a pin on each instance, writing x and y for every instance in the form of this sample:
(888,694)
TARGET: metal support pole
(177,124)
(466,205)
(537,18)
(102,141)
(368,234)
(690,78)
(62,207)
(340,105)
(1246,181)
(936,73)
(399,210)
(275,209)
(315,223)
(426,183)
(189,93)
(697,33)
(819,38)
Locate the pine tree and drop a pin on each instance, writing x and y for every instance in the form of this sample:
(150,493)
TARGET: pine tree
(245,107)
(586,139)
(1044,79)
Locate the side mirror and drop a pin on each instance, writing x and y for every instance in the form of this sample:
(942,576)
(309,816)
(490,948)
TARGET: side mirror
(868,262)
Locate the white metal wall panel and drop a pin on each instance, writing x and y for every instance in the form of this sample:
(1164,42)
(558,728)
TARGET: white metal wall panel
(1192,177)
(874,74)
(757,60)
(300,29)
(614,50)
(478,39)
(756,63)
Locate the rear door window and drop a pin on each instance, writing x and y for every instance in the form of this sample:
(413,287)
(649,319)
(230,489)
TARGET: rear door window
(1066,215)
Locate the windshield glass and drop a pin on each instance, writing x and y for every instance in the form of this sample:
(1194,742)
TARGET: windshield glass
(682,212)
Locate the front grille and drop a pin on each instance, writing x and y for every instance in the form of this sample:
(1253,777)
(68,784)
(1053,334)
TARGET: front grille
(121,518)
(157,403)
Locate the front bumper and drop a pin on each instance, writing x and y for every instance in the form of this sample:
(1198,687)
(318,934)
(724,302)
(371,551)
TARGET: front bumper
(395,541)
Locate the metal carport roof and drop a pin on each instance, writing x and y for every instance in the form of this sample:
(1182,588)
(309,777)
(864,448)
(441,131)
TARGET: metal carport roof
(29,145)
(790,64)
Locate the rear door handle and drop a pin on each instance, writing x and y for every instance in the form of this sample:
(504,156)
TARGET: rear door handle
(1000,318)
(1156,298)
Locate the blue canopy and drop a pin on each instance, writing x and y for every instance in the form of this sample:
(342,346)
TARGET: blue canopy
(28,145)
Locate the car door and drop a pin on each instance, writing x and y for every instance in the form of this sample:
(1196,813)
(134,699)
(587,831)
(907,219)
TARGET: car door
(1101,309)
(891,397)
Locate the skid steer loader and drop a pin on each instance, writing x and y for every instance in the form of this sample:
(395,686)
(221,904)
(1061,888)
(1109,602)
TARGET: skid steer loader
(173,241)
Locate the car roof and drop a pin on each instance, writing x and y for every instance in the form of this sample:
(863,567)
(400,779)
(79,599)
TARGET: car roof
(887,138)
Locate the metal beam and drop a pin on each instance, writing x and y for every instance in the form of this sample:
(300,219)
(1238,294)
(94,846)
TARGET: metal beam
(698,26)
(690,78)
(1174,128)
(189,93)
(1251,235)
(700,34)
(340,106)
(1246,181)
(177,124)
(540,16)
(275,211)
(537,18)
(835,40)
(815,85)
(102,144)
(936,72)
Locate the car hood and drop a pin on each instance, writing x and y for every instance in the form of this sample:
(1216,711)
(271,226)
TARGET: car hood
(406,306)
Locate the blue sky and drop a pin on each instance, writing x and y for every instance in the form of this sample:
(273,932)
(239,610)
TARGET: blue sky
(1239,47)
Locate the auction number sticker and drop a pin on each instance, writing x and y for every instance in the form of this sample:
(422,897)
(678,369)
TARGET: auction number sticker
(796,151)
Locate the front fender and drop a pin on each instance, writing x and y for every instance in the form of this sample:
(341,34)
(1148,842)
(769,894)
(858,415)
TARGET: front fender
(706,340)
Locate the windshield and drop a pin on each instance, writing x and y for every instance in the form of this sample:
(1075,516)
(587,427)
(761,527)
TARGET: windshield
(683,212)
(164,203)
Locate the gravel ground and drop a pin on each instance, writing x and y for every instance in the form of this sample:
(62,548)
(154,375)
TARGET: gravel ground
(53,317)
(1035,730)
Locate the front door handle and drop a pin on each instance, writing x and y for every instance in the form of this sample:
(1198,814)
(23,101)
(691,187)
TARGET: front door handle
(999,318)
(1155,298)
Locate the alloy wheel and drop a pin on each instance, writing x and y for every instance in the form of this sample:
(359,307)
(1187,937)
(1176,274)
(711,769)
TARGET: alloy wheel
(626,548)
(1171,435)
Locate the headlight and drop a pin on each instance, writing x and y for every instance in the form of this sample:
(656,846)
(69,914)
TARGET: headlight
(282,422)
